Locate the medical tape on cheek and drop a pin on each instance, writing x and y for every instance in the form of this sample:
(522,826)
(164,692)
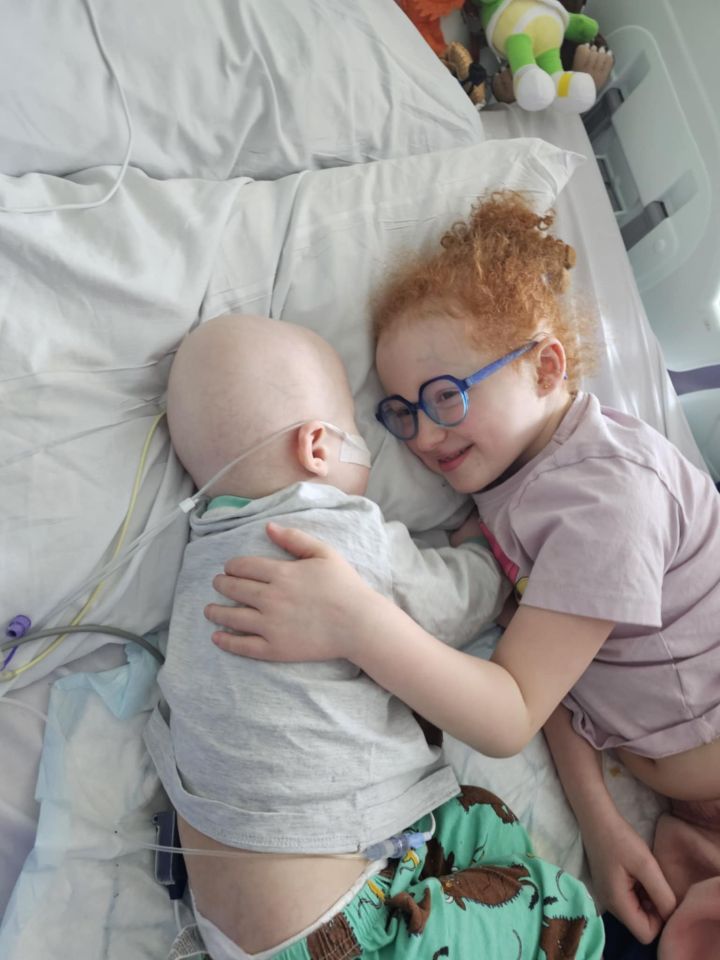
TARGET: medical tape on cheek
(353,448)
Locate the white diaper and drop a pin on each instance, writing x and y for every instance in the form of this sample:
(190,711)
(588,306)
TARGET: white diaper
(221,947)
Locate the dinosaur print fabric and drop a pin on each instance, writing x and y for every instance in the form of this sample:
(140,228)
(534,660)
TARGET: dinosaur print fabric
(474,890)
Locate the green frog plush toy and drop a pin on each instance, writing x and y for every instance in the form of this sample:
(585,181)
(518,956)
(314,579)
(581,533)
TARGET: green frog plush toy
(529,34)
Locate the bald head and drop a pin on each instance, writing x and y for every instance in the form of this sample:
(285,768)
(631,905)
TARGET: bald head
(238,379)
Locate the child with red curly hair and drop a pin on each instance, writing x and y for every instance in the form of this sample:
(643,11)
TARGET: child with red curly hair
(610,537)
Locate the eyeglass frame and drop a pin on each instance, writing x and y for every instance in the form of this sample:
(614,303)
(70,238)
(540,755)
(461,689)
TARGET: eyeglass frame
(463,385)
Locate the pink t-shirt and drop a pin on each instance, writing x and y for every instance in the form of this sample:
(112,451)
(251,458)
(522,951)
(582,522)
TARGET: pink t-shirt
(611,521)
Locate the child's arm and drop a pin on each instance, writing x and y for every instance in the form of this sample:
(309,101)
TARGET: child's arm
(471,530)
(453,592)
(322,609)
(627,879)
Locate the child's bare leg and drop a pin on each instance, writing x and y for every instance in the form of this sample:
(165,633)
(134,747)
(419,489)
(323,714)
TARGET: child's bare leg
(687,846)
(693,931)
(626,877)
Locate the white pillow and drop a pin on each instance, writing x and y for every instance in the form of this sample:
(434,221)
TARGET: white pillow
(310,249)
(94,303)
(221,88)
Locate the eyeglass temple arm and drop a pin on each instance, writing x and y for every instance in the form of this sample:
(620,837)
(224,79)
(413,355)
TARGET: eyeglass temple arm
(498,364)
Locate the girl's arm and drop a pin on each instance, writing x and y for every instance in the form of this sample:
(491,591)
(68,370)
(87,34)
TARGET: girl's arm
(627,879)
(320,609)
(579,766)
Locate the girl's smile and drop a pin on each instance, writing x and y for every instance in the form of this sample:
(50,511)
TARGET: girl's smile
(451,461)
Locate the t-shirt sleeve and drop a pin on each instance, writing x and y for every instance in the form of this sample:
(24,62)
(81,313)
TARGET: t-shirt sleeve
(602,532)
(452,592)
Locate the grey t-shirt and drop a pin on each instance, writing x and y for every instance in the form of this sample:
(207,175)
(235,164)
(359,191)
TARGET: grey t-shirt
(305,757)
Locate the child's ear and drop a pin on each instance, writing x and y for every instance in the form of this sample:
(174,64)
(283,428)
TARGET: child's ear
(312,448)
(550,365)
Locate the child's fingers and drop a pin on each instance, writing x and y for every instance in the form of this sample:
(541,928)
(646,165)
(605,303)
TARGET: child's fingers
(236,619)
(644,924)
(261,569)
(243,646)
(656,888)
(239,590)
(297,542)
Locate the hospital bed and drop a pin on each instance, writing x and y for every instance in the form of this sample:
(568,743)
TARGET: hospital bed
(249,129)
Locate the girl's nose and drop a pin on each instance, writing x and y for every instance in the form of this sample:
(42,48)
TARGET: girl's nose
(429,433)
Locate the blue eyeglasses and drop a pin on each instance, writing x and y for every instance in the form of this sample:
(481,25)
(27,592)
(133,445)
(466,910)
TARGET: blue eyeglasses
(444,399)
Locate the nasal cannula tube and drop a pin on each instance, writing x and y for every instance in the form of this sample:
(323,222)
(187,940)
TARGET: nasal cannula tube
(179,510)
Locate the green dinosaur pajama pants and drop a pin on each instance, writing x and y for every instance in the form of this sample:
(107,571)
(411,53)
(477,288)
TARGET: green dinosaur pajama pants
(474,891)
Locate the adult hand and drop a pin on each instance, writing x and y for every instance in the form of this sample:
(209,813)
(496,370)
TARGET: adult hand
(290,611)
(627,878)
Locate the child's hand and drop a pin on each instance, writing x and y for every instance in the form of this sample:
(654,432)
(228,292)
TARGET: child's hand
(290,611)
(627,878)
(508,612)
(469,529)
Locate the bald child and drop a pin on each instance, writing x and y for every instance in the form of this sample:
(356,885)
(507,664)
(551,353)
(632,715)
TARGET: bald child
(295,769)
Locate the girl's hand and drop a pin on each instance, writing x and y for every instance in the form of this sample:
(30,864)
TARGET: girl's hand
(508,612)
(627,878)
(291,611)
(469,530)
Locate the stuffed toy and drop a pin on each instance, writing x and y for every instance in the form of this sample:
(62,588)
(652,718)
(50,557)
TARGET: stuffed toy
(425,14)
(595,58)
(529,35)
(470,74)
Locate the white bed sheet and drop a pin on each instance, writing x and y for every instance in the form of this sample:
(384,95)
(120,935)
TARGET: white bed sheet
(220,88)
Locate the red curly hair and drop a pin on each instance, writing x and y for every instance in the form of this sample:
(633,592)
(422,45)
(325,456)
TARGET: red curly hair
(504,275)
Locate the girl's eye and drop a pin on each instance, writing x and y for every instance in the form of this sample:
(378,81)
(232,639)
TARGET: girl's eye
(446,395)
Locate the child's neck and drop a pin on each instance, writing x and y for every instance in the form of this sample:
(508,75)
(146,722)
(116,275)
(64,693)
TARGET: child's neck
(547,431)
(563,400)
(556,417)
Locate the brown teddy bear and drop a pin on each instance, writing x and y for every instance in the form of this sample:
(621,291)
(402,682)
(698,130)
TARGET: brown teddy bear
(471,75)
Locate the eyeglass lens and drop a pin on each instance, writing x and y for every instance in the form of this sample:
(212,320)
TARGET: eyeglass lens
(398,417)
(442,400)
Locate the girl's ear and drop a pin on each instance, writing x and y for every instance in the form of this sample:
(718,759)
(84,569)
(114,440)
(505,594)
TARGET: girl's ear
(312,448)
(550,366)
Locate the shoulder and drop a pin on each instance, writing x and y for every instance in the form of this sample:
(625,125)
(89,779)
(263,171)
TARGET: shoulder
(614,476)
(613,448)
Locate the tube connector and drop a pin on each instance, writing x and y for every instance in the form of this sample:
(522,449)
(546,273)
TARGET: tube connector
(395,848)
(18,627)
